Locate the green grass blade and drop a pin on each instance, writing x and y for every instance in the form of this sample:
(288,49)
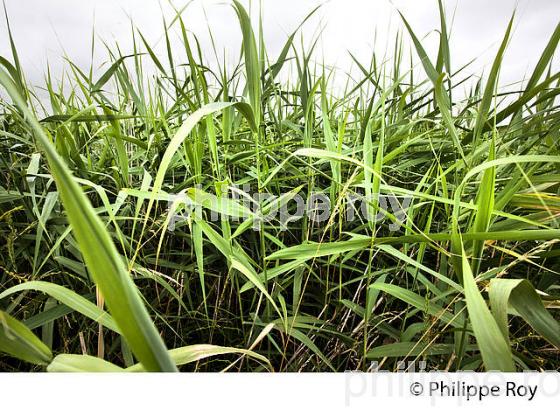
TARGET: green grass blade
(485,207)
(68,298)
(424,59)
(443,104)
(252,61)
(194,353)
(493,345)
(18,341)
(520,295)
(104,263)
(491,83)
(70,363)
(417,301)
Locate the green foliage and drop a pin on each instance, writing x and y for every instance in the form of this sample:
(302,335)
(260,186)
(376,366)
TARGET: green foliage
(93,279)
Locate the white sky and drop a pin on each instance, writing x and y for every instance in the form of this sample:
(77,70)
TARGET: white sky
(45,30)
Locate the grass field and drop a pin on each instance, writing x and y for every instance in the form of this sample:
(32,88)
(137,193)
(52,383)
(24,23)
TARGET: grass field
(120,251)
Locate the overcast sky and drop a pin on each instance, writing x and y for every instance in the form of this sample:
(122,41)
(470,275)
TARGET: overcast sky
(44,30)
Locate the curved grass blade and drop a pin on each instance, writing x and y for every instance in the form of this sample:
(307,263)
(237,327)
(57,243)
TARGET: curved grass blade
(443,104)
(493,345)
(68,298)
(69,363)
(485,207)
(193,353)
(428,66)
(104,263)
(252,61)
(18,341)
(520,296)
(106,76)
(489,90)
(417,301)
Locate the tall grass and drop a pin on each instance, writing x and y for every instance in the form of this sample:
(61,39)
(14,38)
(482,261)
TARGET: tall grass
(92,279)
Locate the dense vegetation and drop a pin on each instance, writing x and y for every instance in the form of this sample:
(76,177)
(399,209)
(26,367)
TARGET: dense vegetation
(91,274)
